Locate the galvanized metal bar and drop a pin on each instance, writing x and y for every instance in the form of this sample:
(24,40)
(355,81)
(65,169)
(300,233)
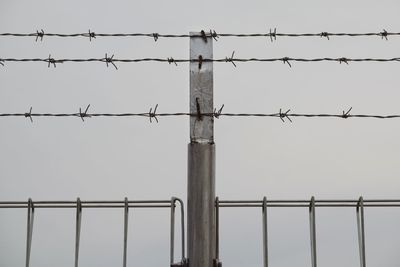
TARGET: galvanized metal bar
(31,213)
(172,239)
(313,237)
(78,229)
(217,228)
(183,261)
(57,203)
(126,217)
(361,231)
(201,155)
(201,212)
(182,229)
(265,232)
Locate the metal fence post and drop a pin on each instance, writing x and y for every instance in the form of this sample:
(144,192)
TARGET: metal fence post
(201,154)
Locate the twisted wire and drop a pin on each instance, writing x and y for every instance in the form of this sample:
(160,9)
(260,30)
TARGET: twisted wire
(272,34)
(111,60)
(153,115)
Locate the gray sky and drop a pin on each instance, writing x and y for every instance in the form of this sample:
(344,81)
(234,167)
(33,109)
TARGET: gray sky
(61,159)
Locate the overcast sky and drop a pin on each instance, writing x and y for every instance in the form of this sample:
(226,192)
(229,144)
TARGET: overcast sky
(113,158)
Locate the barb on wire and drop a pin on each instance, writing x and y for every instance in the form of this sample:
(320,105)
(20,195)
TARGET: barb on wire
(214,35)
(325,34)
(83,115)
(91,35)
(39,34)
(51,60)
(171,60)
(343,60)
(1,62)
(284,115)
(285,60)
(271,34)
(230,59)
(384,34)
(155,36)
(218,113)
(109,60)
(347,113)
(153,114)
(29,114)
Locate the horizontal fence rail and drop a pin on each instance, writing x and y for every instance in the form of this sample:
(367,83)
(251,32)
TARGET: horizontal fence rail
(272,34)
(311,205)
(80,205)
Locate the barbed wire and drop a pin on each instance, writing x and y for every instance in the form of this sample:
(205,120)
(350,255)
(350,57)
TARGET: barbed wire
(272,35)
(111,60)
(153,115)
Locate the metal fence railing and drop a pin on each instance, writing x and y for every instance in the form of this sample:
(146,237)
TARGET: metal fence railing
(80,205)
(311,205)
(264,204)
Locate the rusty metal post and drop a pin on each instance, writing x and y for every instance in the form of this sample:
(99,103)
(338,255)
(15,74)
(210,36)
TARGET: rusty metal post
(201,155)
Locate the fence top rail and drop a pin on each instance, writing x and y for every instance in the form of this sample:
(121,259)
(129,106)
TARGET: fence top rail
(306,203)
(91,204)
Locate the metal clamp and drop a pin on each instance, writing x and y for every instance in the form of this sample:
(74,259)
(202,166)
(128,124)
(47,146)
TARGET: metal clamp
(31,213)
(265,232)
(313,237)
(78,229)
(361,231)
(184,261)
(126,216)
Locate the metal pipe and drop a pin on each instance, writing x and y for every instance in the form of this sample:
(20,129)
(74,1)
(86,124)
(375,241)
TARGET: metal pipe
(265,232)
(313,237)
(201,212)
(31,213)
(217,228)
(361,231)
(126,217)
(78,229)
(172,239)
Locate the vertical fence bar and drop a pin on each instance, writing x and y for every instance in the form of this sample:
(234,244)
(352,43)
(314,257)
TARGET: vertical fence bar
(361,231)
(78,229)
(201,155)
(313,237)
(265,232)
(183,261)
(126,217)
(29,230)
(217,228)
(172,239)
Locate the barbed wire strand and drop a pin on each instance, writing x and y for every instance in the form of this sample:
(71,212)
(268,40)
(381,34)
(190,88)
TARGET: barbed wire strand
(272,35)
(152,114)
(111,60)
